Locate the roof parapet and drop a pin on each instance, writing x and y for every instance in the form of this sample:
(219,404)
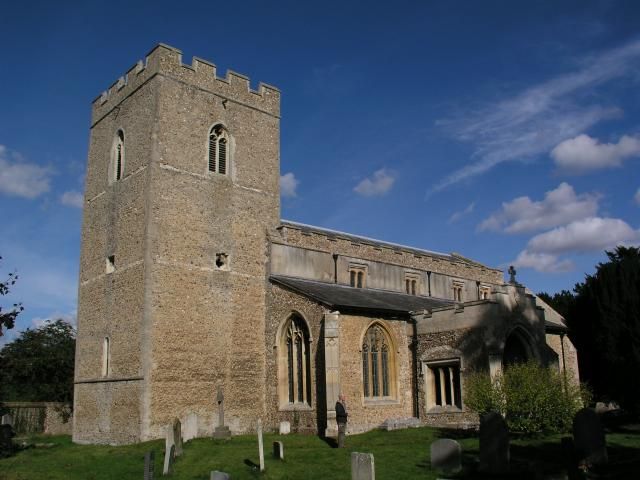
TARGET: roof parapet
(201,73)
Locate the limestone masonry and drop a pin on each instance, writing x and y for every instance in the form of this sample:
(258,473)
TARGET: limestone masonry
(190,282)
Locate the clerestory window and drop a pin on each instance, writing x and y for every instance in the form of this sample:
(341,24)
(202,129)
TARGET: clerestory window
(357,276)
(457,291)
(218,157)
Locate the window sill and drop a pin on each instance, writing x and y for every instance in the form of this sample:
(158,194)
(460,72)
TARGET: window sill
(446,409)
(380,402)
(296,407)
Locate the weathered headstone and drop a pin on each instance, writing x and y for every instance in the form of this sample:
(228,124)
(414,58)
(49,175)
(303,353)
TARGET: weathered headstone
(362,466)
(177,436)
(7,419)
(190,428)
(221,431)
(588,438)
(216,475)
(6,435)
(169,458)
(285,428)
(260,445)
(494,444)
(149,464)
(446,455)
(278,450)
(169,450)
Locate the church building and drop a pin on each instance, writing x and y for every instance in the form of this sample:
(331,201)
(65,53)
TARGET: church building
(191,283)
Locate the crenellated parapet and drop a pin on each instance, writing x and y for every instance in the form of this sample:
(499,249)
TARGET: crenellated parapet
(167,61)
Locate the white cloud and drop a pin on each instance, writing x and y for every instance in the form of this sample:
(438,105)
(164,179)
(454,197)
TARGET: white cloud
(72,198)
(583,153)
(542,262)
(288,185)
(589,234)
(535,120)
(70,318)
(22,179)
(458,215)
(378,184)
(636,197)
(559,207)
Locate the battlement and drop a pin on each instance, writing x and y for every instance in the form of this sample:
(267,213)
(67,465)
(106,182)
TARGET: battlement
(167,61)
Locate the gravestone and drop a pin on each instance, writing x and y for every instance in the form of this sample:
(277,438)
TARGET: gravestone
(169,458)
(362,466)
(446,455)
(588,438)
(169,450)
(494,444)
(260,445)
(221,431)
(149,464)
(285,428)
(278,450)
(6,435)
(216,475)
(7,419)
(177,436)
(190,430)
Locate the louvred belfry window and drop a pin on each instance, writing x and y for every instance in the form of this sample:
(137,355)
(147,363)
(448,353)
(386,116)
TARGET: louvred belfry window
(218,157)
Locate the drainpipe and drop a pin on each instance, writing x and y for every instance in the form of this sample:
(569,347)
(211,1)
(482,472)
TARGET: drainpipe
(414,354)
(335,268)
(429,282)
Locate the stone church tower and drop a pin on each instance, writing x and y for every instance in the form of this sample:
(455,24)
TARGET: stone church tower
(182,193)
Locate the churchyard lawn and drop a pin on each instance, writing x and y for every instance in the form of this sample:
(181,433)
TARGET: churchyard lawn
(401,454)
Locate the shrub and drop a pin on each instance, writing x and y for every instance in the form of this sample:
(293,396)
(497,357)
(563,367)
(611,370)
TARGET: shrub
(531,397)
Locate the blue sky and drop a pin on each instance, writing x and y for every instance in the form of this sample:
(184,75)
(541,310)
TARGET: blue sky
(508,132)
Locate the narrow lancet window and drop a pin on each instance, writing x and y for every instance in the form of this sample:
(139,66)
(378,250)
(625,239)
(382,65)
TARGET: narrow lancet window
(116,169)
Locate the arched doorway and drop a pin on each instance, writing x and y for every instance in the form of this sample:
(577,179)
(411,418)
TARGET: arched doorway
(516,350)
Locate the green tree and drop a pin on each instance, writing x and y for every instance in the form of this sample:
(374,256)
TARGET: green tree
(561,302)
(605,326)
(38,365)
(8,318)
(532,398)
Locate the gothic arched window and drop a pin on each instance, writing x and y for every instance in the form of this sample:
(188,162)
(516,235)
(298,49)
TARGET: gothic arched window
(295,363)
(117,158)
(218,158)
(377,364)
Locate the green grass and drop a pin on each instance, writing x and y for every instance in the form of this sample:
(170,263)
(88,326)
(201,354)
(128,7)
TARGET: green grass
(402,454)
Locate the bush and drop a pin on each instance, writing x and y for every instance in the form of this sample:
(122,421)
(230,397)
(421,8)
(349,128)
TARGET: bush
(532,398)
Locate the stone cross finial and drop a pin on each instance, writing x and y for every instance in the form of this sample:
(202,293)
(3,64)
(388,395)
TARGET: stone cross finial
(512,274)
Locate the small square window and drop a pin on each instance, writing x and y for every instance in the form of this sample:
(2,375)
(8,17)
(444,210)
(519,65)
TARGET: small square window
(222,261)
(111,263)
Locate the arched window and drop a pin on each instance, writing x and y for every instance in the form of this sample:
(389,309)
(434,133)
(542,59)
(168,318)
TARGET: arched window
(218,158)
(377,364)
(295,363)
(117,157)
